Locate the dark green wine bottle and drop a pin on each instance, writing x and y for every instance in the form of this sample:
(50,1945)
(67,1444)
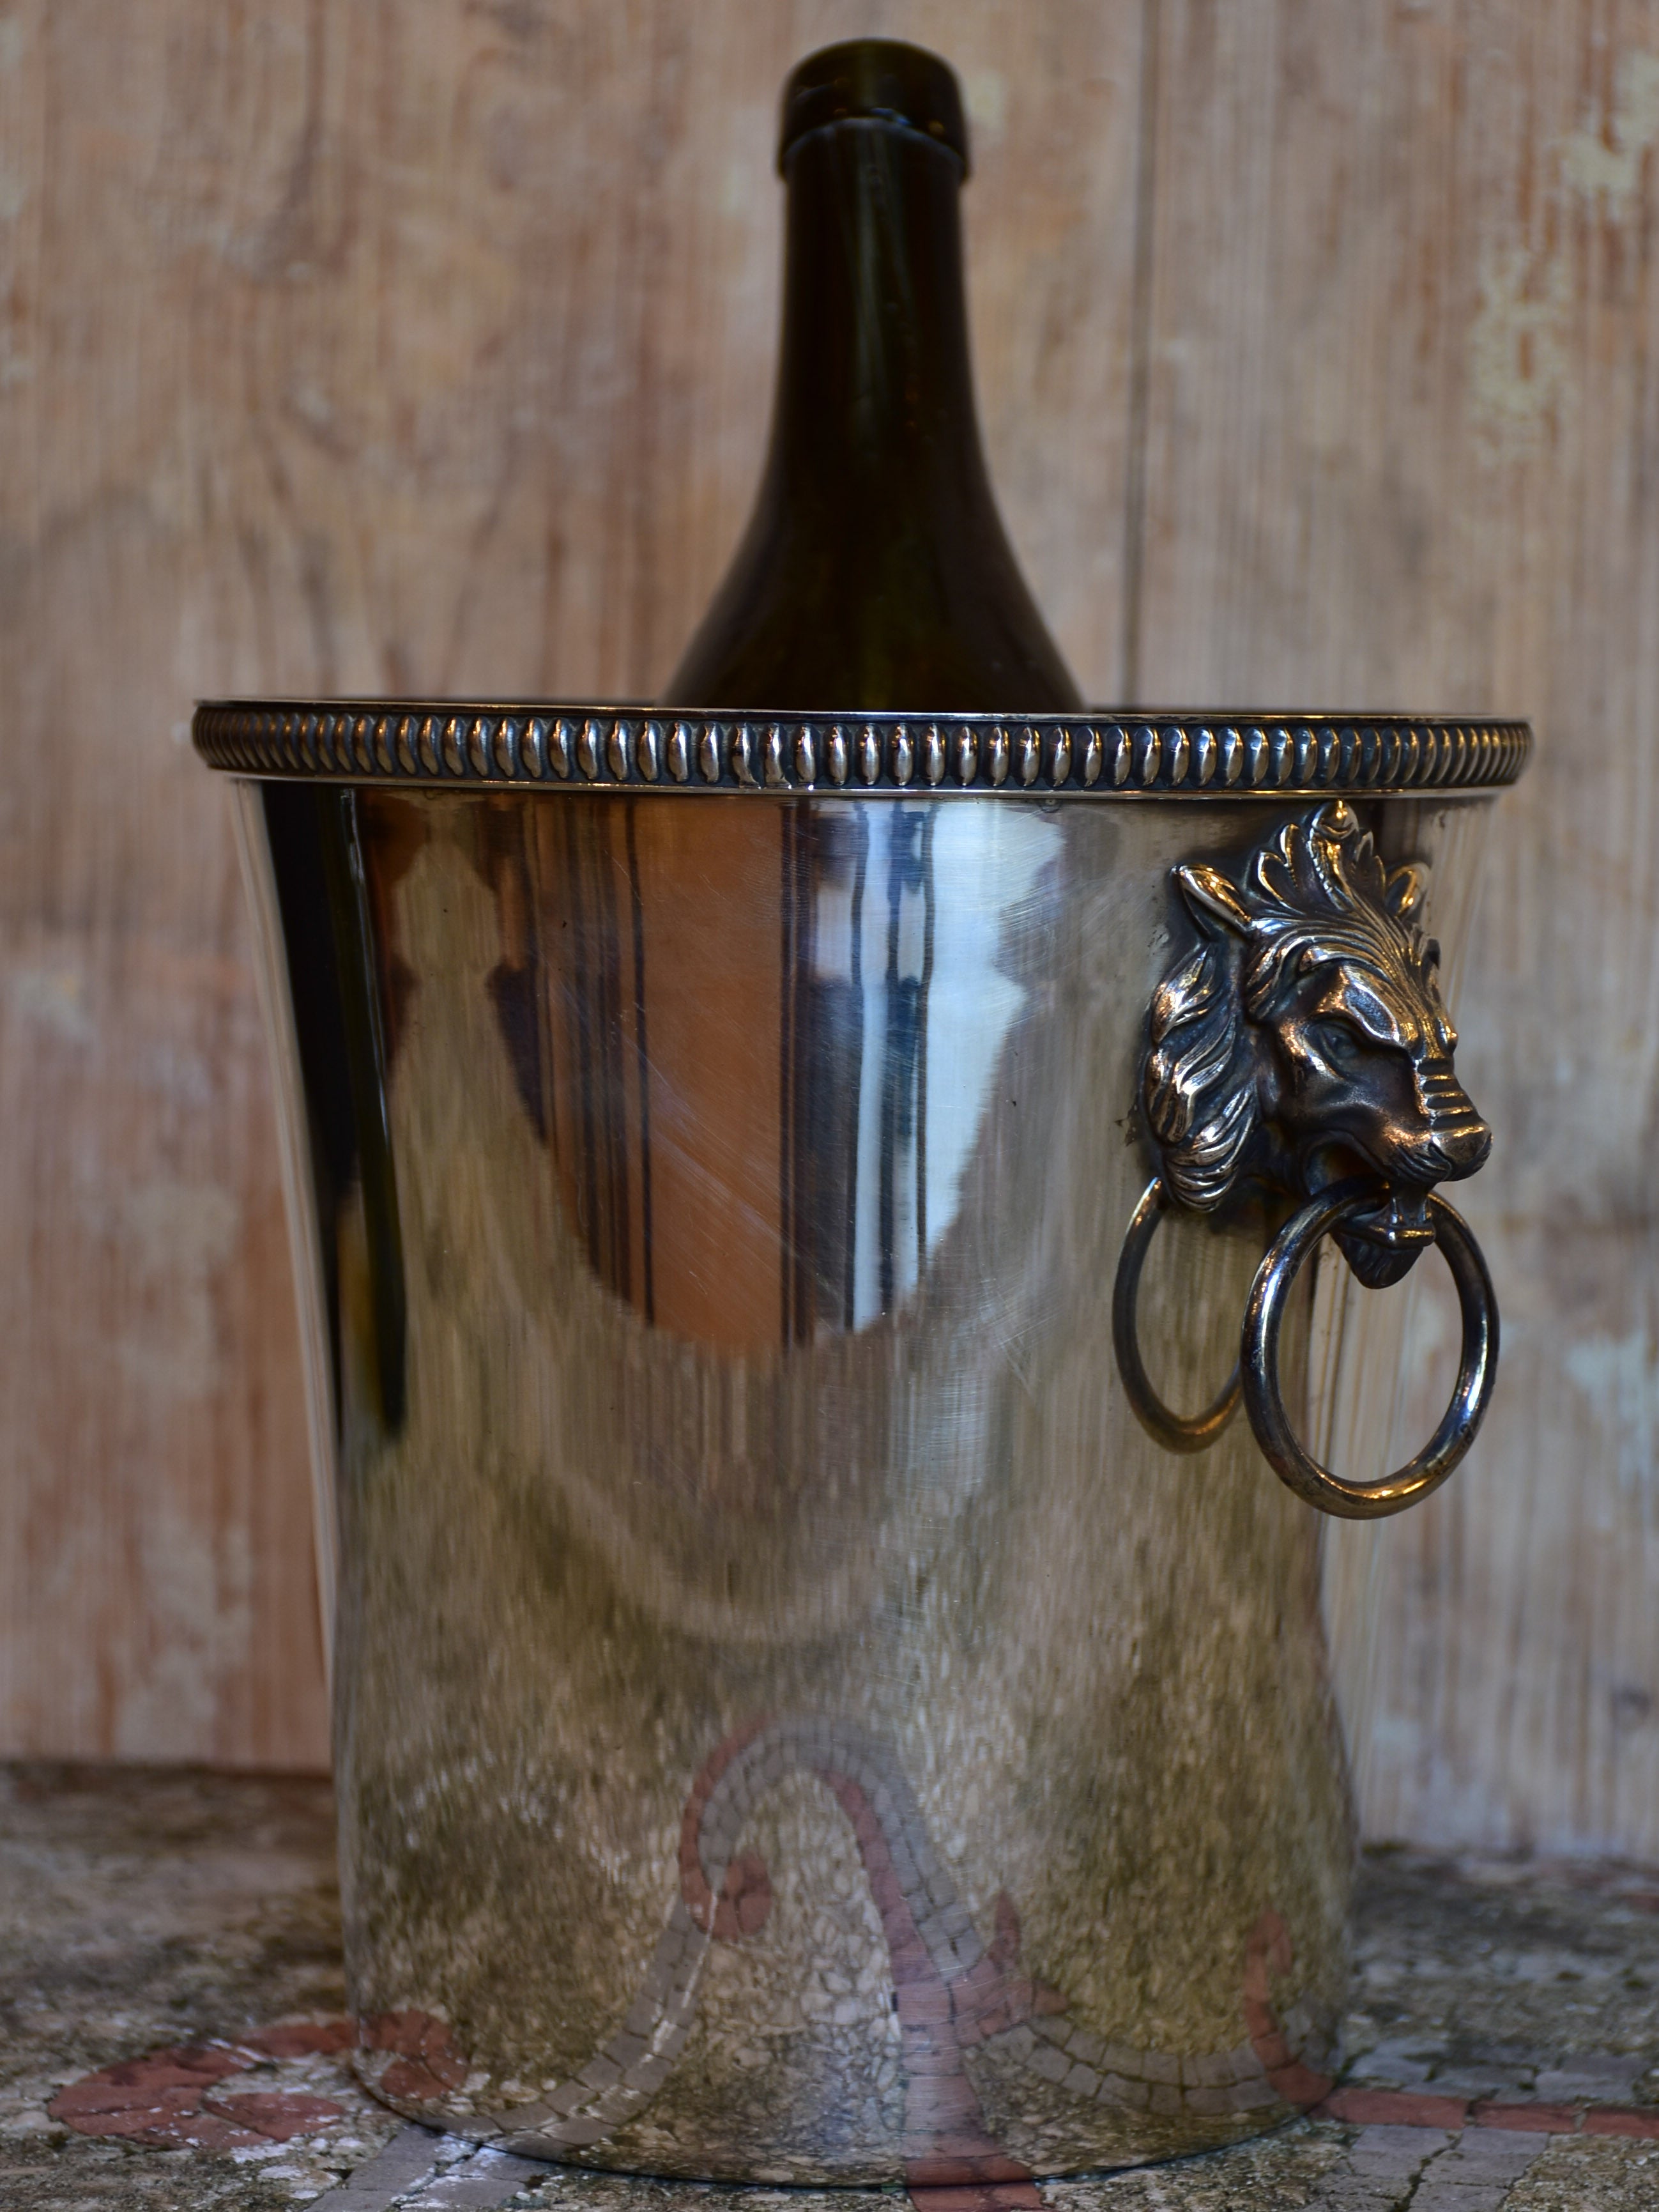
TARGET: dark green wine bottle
(875,572)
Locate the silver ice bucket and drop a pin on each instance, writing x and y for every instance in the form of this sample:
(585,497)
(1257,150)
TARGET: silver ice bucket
(825,1689)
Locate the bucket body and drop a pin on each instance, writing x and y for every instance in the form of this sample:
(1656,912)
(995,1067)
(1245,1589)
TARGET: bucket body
(792,1722)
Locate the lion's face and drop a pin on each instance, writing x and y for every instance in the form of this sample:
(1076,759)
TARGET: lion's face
(1306,1041)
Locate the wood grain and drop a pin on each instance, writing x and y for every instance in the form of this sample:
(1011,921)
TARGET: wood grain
(428,348)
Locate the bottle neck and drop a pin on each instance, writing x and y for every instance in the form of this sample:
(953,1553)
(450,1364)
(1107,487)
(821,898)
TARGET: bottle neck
(875,399)
(874,572)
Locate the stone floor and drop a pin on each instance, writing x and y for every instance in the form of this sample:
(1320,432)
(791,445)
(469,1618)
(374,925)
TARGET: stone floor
(1503,2049)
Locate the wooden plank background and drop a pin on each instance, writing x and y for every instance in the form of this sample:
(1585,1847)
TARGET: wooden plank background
(427,347)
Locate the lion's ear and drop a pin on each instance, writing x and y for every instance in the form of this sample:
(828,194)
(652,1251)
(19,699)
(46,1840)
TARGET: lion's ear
(1212,898)
(1403,891)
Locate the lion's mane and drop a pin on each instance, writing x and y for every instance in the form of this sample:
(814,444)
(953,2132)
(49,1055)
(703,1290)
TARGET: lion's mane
(1199,1087)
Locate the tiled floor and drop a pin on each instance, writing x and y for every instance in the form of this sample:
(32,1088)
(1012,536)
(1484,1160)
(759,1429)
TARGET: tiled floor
(1504,2045)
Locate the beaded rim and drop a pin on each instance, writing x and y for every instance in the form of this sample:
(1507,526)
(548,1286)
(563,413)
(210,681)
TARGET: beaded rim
(449,743)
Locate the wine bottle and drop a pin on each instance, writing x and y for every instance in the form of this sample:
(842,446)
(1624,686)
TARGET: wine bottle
(875,572)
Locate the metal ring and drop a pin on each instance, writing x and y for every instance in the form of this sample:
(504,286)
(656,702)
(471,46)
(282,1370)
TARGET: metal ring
(1173,1431)
(1333,1493)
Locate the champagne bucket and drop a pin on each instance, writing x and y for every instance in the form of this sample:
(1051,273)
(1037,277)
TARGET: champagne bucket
(825,1689)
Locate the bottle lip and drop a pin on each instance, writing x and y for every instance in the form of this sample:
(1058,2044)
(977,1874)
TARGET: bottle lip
(874,81)
(1094,756)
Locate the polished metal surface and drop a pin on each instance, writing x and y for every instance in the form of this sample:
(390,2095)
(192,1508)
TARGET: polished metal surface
(1270,1421)
(792,1722)
(1302,1048)
(1102,755)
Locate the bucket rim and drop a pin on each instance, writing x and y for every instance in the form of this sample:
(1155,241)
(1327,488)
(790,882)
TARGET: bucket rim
(1101,754)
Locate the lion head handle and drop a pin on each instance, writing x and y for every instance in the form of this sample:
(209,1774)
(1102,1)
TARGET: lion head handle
(1304,1040)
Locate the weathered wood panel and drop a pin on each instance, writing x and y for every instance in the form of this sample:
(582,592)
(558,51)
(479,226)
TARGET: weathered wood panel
(1402,403)
(392,348)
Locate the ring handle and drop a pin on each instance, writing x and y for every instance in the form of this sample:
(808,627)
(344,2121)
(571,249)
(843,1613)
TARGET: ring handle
(1263,1402)
(1176,1432)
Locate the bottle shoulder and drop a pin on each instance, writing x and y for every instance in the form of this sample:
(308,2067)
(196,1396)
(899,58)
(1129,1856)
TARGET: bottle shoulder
(891,612)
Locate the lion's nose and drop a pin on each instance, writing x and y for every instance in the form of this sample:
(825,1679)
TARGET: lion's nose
(1466,1149)
(1457,1133)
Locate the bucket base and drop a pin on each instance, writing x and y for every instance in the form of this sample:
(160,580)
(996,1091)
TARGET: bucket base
(974,2073)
